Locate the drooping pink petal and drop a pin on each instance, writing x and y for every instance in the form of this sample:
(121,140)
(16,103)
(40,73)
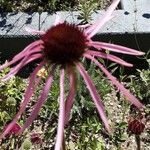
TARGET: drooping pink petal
(27,59)
(95,96)
(32,58)
(14,130)
(89,29)
(115,48)
(71,95)
(27,97)
(41,100)
(22,63)
(22,54)
(30,47)
(109,57)
(31,51)
(14,70)
(61,120)
(114,81)
(107,15)
(34,32)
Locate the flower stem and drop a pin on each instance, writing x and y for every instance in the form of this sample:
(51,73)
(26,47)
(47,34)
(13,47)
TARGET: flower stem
(63,144)
(138,142)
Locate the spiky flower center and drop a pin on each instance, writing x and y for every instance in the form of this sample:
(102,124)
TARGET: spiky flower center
(136,126)
(64,44)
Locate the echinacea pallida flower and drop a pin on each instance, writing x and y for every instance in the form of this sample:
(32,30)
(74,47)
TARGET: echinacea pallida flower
(63,46)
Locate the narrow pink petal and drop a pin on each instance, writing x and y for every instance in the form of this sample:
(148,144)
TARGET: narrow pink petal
(61,120)
(32,58)
(22,54)
(115,48)
(71,95)
(41,100)
(27,97)
(109,57)
(34,32)
(32,50)
(114,81)
(21,64)
(91,28)
(14,70)
(95,28)
(30,47)
(94,94)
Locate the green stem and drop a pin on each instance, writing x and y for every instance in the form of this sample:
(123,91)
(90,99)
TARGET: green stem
(138,142)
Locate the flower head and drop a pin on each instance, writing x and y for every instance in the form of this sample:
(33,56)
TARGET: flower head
(136,125)
(63,45)
(35,138)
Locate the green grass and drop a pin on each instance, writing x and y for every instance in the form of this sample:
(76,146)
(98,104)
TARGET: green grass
(86,8)
(48,5)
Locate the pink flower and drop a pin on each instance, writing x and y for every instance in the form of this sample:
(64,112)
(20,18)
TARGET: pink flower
(63,46)
(14,130)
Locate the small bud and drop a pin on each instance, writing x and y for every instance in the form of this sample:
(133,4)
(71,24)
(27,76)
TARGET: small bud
(11,101)
(36,139)
(26,145)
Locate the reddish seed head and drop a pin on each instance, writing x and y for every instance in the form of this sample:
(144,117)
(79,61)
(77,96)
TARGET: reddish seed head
(64,44)
(36,139)
(136,126)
